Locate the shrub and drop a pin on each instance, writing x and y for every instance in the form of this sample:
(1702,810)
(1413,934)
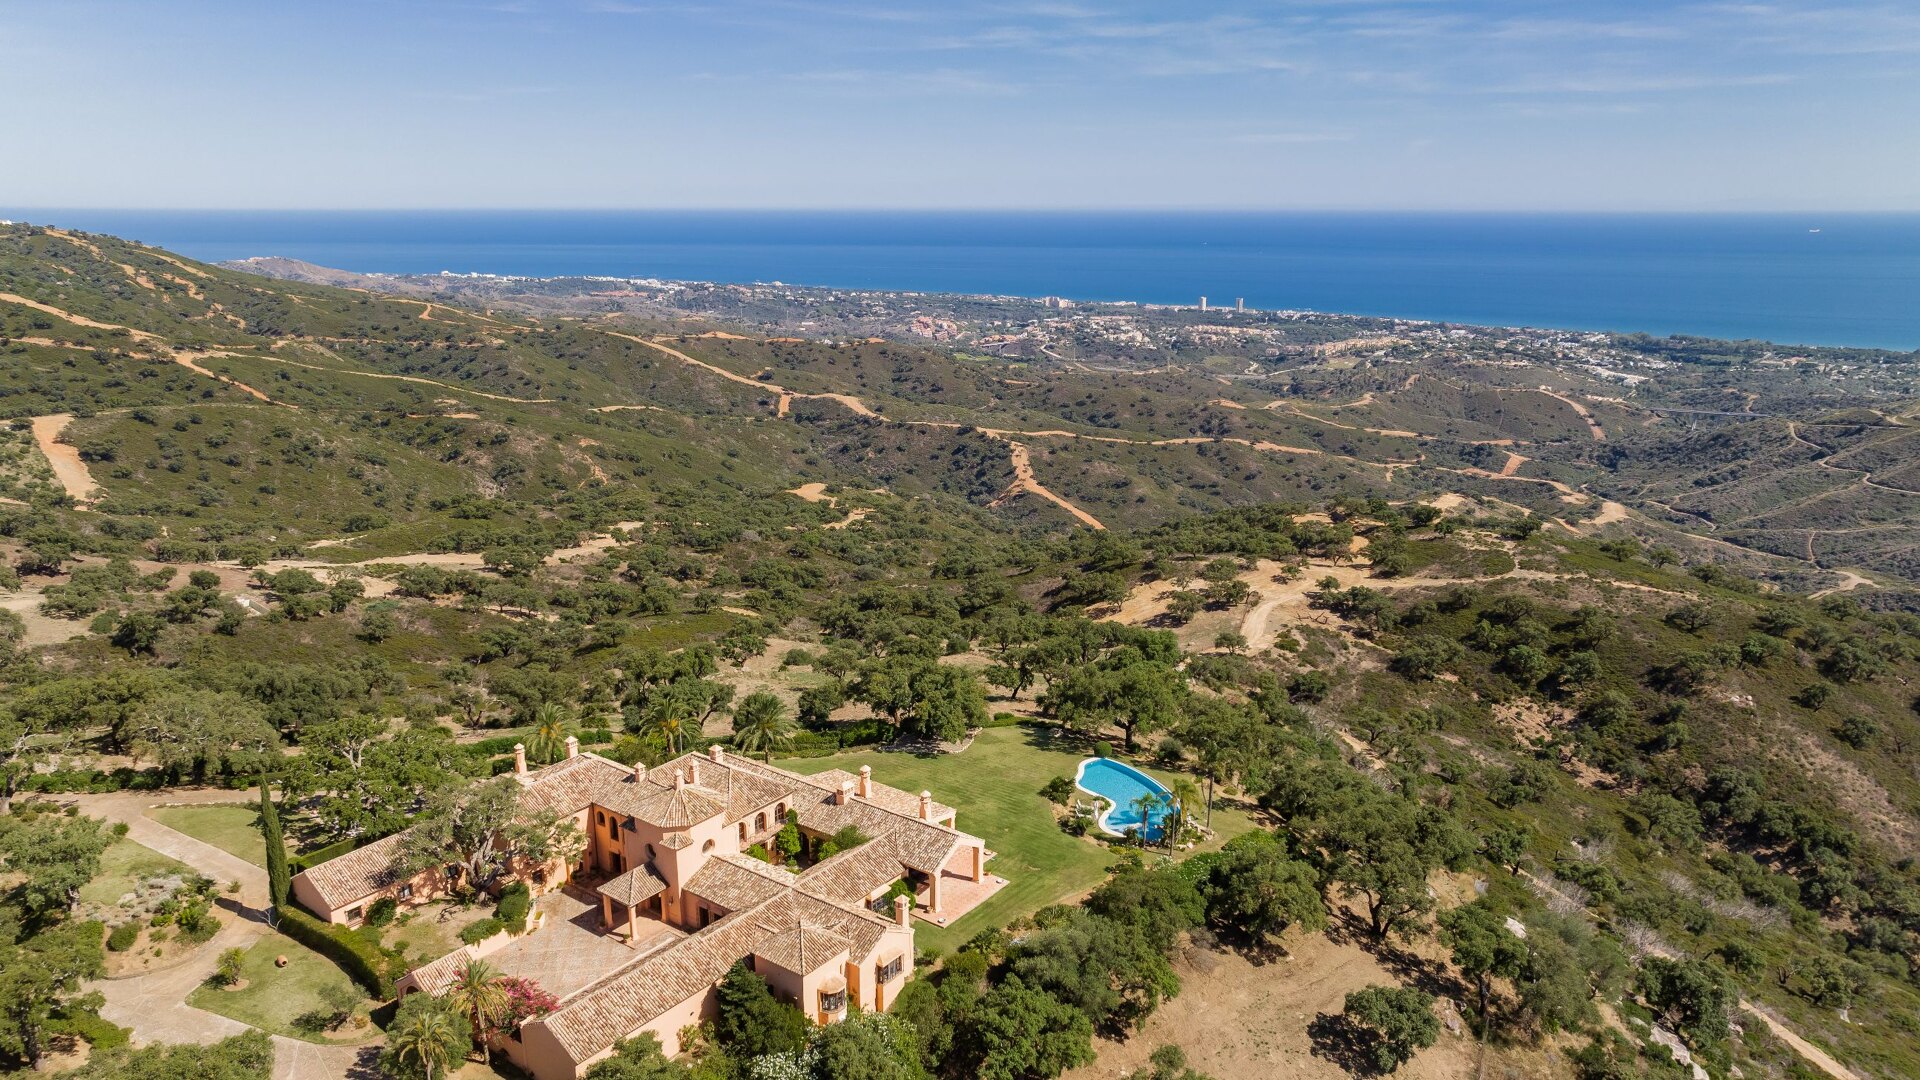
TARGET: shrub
(1103,749)
(480,931)
(382,911)
(227,972)
(101,1034)
(1058,790)
(197,924)
(123,937)
(516,900)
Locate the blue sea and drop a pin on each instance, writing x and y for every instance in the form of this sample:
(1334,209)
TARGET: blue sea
(1826,279)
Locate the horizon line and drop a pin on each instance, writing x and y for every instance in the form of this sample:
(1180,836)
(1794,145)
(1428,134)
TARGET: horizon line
(1141,209)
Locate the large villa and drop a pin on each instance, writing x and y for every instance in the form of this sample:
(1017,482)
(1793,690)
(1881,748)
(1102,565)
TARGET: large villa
(638,933)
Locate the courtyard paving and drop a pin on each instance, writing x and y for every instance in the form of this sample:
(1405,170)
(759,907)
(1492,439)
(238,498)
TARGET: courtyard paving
(569,950)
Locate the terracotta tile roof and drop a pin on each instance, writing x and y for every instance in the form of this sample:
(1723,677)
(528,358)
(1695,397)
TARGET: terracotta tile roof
(360,872)
(739,881)
(568,785)
(635,886)
(801,948)
(592,1018)
(674,841)
(741,790)
(852,876)
(434,978)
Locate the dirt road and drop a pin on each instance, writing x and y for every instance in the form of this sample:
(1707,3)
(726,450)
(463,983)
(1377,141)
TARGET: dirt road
(72,472)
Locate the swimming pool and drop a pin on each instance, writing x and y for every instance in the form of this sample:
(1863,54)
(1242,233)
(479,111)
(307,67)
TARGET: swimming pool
(1122,785)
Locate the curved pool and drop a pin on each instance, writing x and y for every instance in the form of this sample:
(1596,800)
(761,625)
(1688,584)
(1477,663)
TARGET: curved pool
(1122,785)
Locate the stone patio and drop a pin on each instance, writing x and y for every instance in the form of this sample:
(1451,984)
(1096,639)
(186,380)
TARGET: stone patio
(570,950)
(958,895)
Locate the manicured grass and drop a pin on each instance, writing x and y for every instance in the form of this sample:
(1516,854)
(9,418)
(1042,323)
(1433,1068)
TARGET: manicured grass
(229,828)
(995,785)
(125,864)
(273,997)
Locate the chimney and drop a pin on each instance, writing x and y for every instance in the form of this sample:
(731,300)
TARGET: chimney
(844,794)
(926,806)
(903,910)
(693,773)
(866,781)
(639,771)
(573,746)
(715,752)
(519,759)
(679,779)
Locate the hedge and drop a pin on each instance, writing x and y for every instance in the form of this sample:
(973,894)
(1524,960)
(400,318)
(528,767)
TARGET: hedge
(101,781)
(476,932)
(364,962)
(516,900)
(309,859)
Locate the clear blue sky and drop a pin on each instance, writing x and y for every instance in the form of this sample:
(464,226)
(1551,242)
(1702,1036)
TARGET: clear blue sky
(1797,104)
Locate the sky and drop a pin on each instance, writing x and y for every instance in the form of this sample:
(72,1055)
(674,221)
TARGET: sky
(1335,104)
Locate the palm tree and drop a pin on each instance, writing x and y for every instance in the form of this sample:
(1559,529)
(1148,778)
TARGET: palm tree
(479,991)
(551,726)
(761,723)
(430,1036)
(667,718)
(1186,797)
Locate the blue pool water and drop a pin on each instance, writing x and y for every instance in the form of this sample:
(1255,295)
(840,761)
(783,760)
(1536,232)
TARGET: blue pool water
(1122,785)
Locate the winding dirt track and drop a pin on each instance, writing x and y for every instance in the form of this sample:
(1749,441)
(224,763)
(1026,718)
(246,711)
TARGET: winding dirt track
(1024,483)
(77,320)
(1593,426)
(67,466)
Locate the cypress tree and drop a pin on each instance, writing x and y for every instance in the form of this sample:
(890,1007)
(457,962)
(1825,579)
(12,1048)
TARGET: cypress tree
(279,881)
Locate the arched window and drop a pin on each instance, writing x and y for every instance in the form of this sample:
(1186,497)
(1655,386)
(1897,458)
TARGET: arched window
(743,832)
(780,811)
(649,852)
(760,823)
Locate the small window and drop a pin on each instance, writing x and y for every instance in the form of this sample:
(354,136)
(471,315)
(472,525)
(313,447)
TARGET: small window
(600,816)
(649,852)
(834,1002)
(706,847)
(406,892)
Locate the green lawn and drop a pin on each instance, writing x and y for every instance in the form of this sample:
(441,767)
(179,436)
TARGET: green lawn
(995,785)
(273,997)
(125,864)
(229,828)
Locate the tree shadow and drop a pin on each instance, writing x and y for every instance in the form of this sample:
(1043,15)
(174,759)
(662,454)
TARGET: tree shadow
(1406,966)
(1332,1037)
(366,1064)
(233,905)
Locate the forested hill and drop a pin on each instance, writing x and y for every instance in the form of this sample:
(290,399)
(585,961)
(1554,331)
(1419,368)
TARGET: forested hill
(1416,614)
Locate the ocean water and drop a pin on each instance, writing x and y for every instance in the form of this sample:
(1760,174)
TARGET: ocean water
(1827,279)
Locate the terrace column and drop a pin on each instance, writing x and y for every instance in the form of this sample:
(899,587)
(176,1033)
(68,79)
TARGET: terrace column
(933,893)
(979,862)
(631,931)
